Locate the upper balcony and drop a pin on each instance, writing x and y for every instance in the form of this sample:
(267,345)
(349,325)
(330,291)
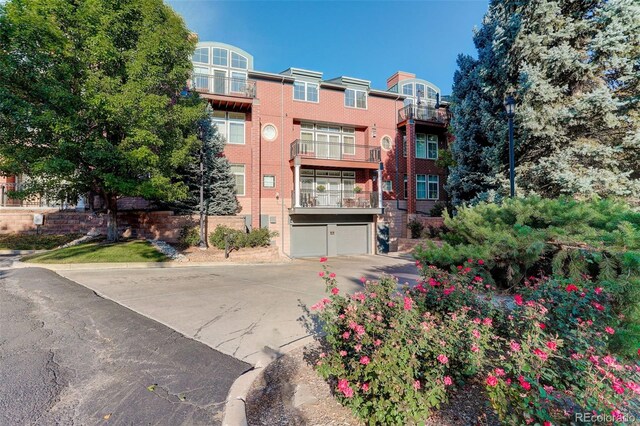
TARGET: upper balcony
(424,113)
(225,91)
(335,154)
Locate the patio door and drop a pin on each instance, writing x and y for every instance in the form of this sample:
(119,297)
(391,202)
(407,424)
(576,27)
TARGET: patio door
(327,145)
(328,191)
(220,82)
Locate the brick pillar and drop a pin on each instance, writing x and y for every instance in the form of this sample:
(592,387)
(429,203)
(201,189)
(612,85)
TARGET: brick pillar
(411,167)
(255,180)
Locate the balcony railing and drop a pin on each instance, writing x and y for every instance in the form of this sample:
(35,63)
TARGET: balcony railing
(335,151)
(337,199)
(422,112)
(8,199)
(219,85)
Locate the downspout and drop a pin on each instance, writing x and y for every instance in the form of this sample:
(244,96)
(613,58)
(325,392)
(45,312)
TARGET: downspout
(397,170)
(282,168)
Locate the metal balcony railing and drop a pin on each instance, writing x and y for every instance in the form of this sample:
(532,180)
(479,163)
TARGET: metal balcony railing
(346,198)
(8,198)
(335,151)
(423,112)
(219,85)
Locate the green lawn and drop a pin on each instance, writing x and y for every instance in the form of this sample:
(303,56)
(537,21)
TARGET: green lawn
(131,251)
(34,242)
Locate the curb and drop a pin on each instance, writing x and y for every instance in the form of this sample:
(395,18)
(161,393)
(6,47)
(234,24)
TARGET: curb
(135,265)
(19,252)
(235,412)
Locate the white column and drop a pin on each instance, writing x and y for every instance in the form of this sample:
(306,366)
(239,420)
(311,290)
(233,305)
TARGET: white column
(380,186)
(296,185)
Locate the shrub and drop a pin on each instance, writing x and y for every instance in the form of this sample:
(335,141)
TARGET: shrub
(438,210)
(189,237)
(416,227)
(259,237)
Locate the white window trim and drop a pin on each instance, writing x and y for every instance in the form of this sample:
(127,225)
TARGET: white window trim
(426,187)
(425,146)
(355,99)
(231,52)
(227,128)
(263,181)
(344,145)
(437,182)
(390,185)
(209,56)
(432,142)
(220,65)
(244,178)
(233,79)
(390,143)
(306,83)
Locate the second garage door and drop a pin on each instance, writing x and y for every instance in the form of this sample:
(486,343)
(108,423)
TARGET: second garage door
(308,240)
(353,239)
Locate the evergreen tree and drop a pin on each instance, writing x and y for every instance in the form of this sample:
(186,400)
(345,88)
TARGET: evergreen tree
(219,182)
(574,68)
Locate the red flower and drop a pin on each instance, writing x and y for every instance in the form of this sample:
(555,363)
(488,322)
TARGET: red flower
(552,345)
(448,291)
(541,354)
(609,330)
(598,306)
(480,262)
(332,275)
(542,326)
(323,259)
(365,387)
(518,299)
(321,274)
(598,290)
(525,385)
(335,290)
(547,423)
(571,288)
(492,380)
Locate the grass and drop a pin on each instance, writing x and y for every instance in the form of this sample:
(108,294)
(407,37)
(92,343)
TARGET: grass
(129,251)
(34,242)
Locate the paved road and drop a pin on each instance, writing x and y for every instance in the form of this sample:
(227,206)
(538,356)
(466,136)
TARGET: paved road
(68,356)
(240,310)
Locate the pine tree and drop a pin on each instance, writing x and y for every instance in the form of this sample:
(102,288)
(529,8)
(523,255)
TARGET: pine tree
(219,182)
(574,68)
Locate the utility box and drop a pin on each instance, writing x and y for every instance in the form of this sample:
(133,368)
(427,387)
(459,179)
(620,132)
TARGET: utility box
(38,219)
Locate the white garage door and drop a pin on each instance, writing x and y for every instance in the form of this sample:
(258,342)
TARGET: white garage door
(353,239)
(308,240)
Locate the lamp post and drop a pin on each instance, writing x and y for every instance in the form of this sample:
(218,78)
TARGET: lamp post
(510,106)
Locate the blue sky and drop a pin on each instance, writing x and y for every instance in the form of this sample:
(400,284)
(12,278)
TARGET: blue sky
(362,39)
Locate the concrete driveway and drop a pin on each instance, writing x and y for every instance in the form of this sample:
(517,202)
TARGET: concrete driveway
(241,310)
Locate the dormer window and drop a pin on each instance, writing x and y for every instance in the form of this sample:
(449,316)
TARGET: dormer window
(201,55)
(305,91)
(238,61)
(355,98)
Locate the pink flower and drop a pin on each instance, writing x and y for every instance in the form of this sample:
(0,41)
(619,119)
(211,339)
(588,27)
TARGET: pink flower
(608,360)
(348,392)
(492,380)
(570,288)
(359,330)
(321,274)
(515,347)
(447,381)
(322,355)
(343,353)
(541,354)
(477,320)
(518,299)
(542,326)
(416,384)
(547,423)
(365,387)
(525,385)
(352,324)
(358,347)
(408,303)
(617,415)
(433,283)
(499,372)
(323,259)
(618,388)
(552,345)
(391,304)
(597,306)
(480,262)
(598,290)
(377,342)
(487,321)
(474,348)
(363,280)
(443,358)
(335,290)
(475,333)
(365,360)
(448,291)
(332,275)
(346,335)
(609,330)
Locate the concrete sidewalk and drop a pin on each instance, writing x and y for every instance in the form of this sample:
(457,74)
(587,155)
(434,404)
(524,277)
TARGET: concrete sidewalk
(240,310)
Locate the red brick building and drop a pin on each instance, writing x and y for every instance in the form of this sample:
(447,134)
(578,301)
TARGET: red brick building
(333,165)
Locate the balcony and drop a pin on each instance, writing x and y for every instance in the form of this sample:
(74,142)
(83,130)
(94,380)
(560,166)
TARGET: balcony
(227,92)
(336,202)
(426,113)
(335,154)
(7,199)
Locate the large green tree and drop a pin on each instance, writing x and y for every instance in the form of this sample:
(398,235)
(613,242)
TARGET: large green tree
(89,98)
(574,68)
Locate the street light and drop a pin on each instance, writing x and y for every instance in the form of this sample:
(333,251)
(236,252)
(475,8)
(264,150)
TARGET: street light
(510,106)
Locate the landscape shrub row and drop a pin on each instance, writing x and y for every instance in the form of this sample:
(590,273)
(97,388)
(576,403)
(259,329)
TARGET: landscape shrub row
(237,239)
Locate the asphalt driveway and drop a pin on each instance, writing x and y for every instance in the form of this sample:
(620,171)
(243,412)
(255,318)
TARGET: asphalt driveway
(241,310)
(68,356)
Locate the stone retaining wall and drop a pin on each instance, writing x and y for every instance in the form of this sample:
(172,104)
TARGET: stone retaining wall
(162,225)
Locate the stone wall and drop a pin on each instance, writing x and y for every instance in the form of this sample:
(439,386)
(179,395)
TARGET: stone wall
(162,225)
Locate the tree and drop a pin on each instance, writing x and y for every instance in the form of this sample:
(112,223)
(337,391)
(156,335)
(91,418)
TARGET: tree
(89,98)
(574,68)
(219,182)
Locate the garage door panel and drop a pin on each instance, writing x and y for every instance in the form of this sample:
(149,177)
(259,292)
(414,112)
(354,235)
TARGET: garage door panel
(353,239)
(308,240)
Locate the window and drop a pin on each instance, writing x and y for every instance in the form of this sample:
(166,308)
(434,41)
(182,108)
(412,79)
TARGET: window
(238,171)
(230,126)
(420,90)
(201,78)
(220,56)
(432,147)
(303,91)
(407,89)
(385,143)
(269,181)
(201,55)
(348,145)
(387,186)
(421,187)
(238,61)
(421,145)
(404,146)
(433,190)
(431,92)
(238,82)
(355,98)
(406,186)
